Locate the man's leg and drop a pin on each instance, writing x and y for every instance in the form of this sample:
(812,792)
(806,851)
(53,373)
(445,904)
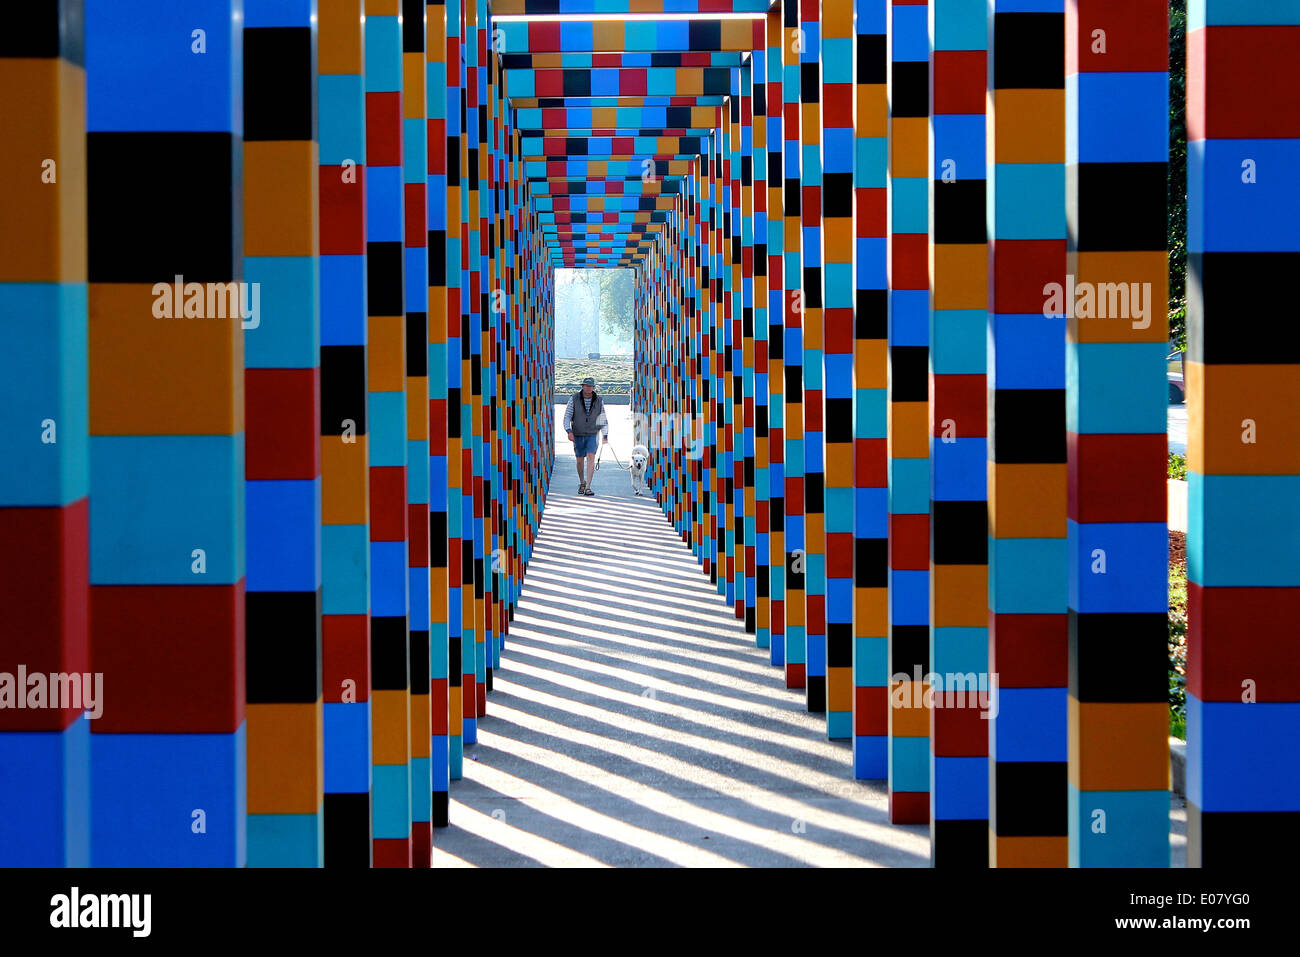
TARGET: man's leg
(580,460)
(591,468)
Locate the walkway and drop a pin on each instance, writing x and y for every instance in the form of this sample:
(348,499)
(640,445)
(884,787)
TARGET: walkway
(633,722)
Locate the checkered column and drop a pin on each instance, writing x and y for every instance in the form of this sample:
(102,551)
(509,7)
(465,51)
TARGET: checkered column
(283,441)
(45,484)
(167,756)
(1243,451)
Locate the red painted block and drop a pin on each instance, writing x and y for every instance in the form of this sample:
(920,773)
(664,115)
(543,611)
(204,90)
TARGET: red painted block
(837,105)
(384,129)
(963,399)
(342,211)
(345,656)
(909,266)
(871,711)
(417,524)
(44,597)
(1235,635)
(172,657)
(909,542)
(282,423)
(838,331)
(872,212)
(794,675)
(1132,45)
(959,81)
(421,844)
(388,503)
(1246,98)
(871,463)
(1021,268)
(1118,478)
(1029,651)
(958,731)
(417,234)
(439,695)
(392,852)
(909,807)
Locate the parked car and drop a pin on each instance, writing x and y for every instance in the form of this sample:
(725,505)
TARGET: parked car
(1176,365)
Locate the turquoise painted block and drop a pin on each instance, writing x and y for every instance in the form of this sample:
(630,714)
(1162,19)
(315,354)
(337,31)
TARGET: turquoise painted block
(1029,200)
(1221,13)
(286,840)
(345,554)
(959,24)
(1029,575)
(909,764)
(288,332)
(870,662)
(959,341)
(959,650)
(342,113)
(43,388)
(1117,388)
(1118,828)
(1237,530)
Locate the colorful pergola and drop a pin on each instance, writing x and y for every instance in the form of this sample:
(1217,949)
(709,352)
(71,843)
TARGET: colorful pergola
(901,283)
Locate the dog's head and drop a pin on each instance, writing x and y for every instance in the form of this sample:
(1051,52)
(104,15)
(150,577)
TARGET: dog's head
(640,455)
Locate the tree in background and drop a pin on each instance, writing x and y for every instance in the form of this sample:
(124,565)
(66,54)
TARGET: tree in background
(1178,172)
(593,311)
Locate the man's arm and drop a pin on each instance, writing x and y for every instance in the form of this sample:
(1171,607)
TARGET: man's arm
(568,416)
(603,422)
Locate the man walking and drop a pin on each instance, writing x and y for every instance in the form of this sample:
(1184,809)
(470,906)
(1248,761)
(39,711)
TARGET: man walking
(584,417)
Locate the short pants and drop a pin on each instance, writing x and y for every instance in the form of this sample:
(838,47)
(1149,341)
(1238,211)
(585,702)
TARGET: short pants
(584,444)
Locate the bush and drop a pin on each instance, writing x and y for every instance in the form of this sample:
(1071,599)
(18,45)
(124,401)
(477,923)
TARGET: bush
(1177,637)
(1177,466)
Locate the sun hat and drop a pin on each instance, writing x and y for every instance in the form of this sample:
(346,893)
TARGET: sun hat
(589,381)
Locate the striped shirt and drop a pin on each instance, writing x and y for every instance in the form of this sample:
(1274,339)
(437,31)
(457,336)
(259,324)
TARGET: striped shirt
(586,405)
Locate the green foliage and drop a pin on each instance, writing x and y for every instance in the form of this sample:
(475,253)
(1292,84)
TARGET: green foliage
(1178,172)
(1178,649)
(1177,466)
(613,376)
(604,298)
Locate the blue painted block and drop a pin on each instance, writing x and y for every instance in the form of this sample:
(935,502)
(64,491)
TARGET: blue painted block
(909,597)
(870,757)
(1128,575)
(1030,725)
(388,578)
(1117,118)
(960,472)
(1030,352)
(418,582)
(279,13)
(961,789)
(384,192)
(911,42)
(1243,756)
(148,70)
(284,535)
(347,747)
(1237,216)
(155,499)
(45,797)
(168,800)
(343,301)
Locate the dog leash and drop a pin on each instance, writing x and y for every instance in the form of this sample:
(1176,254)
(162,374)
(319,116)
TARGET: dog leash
(600,454)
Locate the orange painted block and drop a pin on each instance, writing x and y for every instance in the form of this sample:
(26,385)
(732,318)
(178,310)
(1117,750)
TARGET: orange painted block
(390,733)
(1110,279)
(281,183)
(909,150)
(43,154)
(908,715)
(959,276)
(1246,421)
(871,363)
(909,430)
(960,596)
(152,375)
(286,761)
(873,111)
(413,92)
(340,44)
(837,233)
(737,36)
(839,689)
(1027,500)
(386,354)
(455,709)
(417,408)
(1028,851)
(814,524)
(345,481)
(1119,747)
(387,8)
(421,725)
(871,611)
(1029,126)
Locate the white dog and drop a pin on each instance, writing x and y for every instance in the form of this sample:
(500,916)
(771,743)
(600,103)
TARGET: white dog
(640,457)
